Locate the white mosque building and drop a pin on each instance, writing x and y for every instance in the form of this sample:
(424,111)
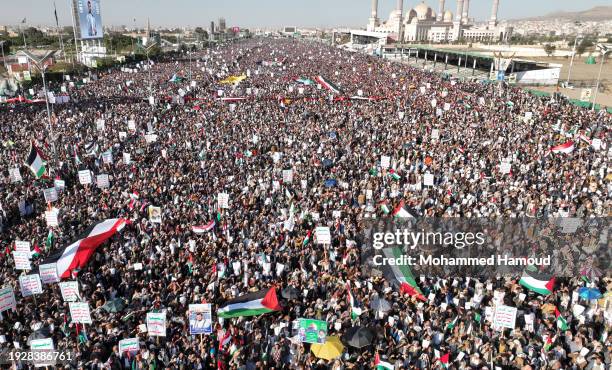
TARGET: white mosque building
(423,24)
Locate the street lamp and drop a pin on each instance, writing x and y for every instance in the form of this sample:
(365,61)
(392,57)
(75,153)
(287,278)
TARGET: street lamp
(569,73)
(603,49)
(39,63)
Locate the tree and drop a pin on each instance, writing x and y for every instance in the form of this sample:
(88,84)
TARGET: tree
(549,49)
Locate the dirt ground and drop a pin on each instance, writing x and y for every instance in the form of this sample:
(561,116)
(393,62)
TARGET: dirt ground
(583,76)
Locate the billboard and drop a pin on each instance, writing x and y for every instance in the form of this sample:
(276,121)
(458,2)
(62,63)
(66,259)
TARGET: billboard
(90,21)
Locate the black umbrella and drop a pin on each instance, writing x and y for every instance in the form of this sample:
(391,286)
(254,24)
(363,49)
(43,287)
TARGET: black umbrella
(41,333)
(290,292)
(114,305)
(359,336)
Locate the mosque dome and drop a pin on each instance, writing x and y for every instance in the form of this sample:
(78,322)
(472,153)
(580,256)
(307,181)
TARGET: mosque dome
(423,11)
(448,16)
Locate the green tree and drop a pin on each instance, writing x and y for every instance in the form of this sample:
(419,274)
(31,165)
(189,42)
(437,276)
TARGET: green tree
(549,49)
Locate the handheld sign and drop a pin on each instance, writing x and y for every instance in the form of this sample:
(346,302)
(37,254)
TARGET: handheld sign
(200,318)
(85,177)
(7,299)
(48,273)
(223,200)
(156,324)
(323,235)
(80,313)
(70,291)
(22,260)
(30,285)
(504,317)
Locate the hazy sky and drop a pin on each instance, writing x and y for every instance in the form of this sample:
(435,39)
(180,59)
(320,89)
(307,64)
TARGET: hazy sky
(264,13)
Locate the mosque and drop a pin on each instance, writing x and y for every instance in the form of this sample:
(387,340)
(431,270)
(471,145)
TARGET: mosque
(423,24)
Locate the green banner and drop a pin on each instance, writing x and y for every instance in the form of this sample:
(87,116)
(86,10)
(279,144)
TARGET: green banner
(312,331)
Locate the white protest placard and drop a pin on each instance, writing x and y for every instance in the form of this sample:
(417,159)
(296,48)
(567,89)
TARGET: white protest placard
(107,157)
(401,115)
(288,176)
(70,291)
(323,235)
(80,313)
(223,200)
(132,125)
(428,179)
(504,167)
(48,273)
(52,217)
(127,158)
(7,299)
(596,143)
(193,84)
(122,135)
(150,138)
(15,175)
(102,181)
(50,195)
(22,260)
(504,317)
(130,345)
(435,134)
(100,123)
(447,106)
(85,177)
(22,246)
(156,324)
(41,349)
(434,102)
(59,184)
(422,89)
(30,285)
(385,161)
(528,115)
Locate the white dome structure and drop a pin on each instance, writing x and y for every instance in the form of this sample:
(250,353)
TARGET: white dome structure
(448,16)
(423,11)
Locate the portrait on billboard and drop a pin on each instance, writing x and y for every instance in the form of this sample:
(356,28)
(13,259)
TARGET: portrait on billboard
(89,19)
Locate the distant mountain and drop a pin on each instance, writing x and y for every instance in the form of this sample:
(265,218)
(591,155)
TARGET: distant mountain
(598,13)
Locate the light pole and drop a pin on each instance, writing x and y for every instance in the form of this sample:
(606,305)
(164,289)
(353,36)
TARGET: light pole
(2,46)
(569,73)
(604,49)
(39,63)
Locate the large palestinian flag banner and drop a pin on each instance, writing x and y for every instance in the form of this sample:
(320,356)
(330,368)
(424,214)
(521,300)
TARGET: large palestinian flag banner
(328,85)
(401,275)
(77,254)
(251,304)
(537,281)
(36,161)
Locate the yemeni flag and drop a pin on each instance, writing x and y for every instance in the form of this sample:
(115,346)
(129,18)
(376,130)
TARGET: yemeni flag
(203,228)
(75,255)
(36,161)
(401,275)
(537,282)
(382,365)
(566,148)
(401,212)
(328,85)
(252,304)
(355,311)
(561,322)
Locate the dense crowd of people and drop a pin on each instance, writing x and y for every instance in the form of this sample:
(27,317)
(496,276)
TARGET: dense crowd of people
(195,140)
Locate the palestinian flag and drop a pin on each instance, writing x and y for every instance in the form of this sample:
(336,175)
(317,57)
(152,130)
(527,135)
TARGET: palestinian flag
(133,199)
(175,79)
(355,311)
(36,252)
(401,212)
(549,342)
(444,360)
(561,322)
(567,147)
(537,282)
(451,325)
(401,275)
(394,175)
(35,161)
(76,254)
(385,207)
(307,238)
(251,304)
(91,149)
(305,81)
(382,365)
(49,241)
(328,85)
(203,228)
